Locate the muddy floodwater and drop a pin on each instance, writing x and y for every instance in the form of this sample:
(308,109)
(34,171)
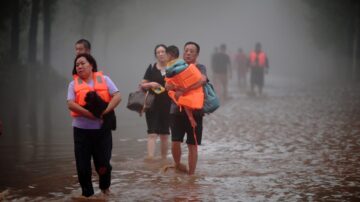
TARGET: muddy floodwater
(297,142)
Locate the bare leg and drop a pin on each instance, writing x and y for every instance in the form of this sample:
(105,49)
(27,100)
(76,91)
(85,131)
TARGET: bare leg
(252,86)
(190,116)
(193,156)
(176,153)
(151,145)
(224,81)
(164,145)
(218,86)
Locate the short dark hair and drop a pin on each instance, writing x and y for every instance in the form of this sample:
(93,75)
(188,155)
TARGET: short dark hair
(173,51)
(158,46)
(195,44)
(223,46)
(89,58)
(258,44)
(85,42)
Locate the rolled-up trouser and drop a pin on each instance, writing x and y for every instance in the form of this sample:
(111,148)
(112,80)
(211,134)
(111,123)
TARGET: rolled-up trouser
(96,143)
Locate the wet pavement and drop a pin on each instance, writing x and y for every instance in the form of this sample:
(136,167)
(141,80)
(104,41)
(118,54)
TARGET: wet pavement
(297,142)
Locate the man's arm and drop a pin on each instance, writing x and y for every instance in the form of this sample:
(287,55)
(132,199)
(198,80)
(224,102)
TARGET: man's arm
(201,82)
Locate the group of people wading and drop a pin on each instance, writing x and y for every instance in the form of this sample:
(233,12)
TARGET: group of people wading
(256,62)
(177,108)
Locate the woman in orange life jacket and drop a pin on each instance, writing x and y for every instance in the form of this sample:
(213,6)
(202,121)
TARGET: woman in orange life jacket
(180,124)
(90,139)
(157,117)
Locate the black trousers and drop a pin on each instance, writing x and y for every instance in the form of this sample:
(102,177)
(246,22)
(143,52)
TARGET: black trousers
(95,143)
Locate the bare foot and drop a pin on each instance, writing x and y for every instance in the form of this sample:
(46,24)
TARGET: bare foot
(149,159)
(106,192)
(166,167)
(182,168)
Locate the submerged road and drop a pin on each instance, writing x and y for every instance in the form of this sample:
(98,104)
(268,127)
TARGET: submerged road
(295,143)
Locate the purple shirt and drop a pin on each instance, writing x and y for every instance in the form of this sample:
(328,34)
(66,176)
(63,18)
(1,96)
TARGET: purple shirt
(82,121)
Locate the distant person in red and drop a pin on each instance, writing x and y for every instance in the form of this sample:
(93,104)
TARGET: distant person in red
(259,65)
(241,67)
(221,66)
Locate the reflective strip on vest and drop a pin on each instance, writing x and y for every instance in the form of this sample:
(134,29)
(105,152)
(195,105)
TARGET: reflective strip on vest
(261,59)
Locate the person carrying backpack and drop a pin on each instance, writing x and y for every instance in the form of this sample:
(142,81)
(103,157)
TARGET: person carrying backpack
(180,123)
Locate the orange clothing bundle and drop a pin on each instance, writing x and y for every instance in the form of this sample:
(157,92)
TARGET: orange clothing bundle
(181,75)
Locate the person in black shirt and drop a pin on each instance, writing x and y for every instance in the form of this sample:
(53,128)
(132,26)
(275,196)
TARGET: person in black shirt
(157,117)
(220,63)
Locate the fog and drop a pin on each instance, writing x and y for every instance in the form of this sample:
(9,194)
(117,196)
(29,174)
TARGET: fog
(246,138)
(124,34)
(123,37)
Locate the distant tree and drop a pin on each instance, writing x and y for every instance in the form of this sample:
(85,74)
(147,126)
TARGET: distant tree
(47,31)
(32,49)
(12,16)
(88,11)
(336,26)
(5,18)
(15,30)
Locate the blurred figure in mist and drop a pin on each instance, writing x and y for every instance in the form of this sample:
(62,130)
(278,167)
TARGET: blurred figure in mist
(241,67)
(82,46)
(221,67)
(259,65)
(157,117)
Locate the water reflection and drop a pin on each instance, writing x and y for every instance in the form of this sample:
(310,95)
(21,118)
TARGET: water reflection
(294,144)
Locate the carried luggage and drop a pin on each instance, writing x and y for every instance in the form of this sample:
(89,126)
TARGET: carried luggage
(140,101)
(211,102)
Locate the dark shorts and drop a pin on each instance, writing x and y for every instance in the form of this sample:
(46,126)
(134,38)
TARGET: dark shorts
(180,125)
(257,76)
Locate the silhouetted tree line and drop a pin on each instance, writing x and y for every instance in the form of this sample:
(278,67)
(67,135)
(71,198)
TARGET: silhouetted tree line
(336,25)
(30,81)
(27,80)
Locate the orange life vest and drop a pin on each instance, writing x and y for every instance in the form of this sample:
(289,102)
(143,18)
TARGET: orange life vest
(261,59)
(193,99)
(81,88)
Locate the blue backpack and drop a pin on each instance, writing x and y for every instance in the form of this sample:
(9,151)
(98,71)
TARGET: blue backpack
(211,102)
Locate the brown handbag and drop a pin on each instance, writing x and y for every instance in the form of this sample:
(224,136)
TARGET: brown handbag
(140,101)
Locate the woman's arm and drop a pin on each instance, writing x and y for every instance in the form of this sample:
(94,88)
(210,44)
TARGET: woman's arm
(145,84)
(73,106)
(115,100)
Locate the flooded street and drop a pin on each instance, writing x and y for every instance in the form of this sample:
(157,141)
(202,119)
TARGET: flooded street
(294,143)
(298,141)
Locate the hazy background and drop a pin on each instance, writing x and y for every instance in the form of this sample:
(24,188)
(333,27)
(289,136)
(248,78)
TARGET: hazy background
(305,41)
(308,43)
